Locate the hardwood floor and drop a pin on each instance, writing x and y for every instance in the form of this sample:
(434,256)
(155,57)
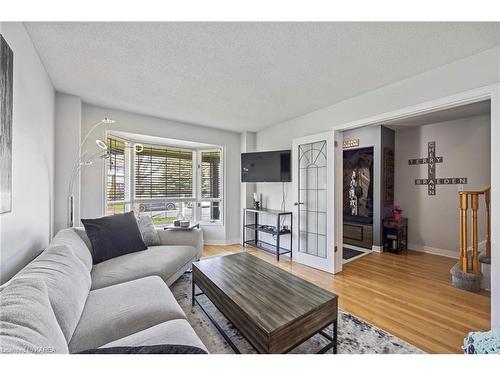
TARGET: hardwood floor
(409,295)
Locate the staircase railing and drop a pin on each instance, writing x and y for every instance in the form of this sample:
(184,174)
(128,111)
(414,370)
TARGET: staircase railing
(473,197)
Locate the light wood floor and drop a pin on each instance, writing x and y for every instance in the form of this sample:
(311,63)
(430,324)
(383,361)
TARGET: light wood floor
(409,295)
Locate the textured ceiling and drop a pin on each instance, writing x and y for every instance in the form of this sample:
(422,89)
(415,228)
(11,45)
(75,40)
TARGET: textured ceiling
(243,76)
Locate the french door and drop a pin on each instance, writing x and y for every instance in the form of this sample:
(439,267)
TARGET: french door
(313,185)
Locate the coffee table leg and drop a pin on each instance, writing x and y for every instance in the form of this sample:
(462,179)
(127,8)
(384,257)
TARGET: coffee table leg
(212,319)
(335,337)
(331,338)
(192,291)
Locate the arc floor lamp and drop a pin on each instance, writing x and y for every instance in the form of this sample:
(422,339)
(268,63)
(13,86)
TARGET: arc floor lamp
(84,159)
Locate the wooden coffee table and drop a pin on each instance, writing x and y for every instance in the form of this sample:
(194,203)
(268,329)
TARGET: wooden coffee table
(273,309)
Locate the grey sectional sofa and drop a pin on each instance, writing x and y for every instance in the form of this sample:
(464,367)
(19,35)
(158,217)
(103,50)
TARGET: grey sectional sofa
(61,303)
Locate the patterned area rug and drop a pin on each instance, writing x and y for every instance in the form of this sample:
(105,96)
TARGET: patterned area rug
(355,336)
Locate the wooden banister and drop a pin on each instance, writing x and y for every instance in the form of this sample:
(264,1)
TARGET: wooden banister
(464,205)
(473,196)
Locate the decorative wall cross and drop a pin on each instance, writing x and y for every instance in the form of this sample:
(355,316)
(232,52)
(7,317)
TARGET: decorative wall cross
(431,181)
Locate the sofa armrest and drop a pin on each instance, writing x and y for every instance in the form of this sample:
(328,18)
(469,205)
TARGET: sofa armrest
(193,237)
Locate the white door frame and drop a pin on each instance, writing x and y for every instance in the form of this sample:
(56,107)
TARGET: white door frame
(490,92)
(327,264)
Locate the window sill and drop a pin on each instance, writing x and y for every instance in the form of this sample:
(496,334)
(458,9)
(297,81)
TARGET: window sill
(209,224)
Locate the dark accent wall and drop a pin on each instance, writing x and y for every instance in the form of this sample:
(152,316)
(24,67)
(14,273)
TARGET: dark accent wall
(378,137)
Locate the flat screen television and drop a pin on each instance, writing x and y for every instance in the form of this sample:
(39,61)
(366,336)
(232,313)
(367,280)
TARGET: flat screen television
(270,166)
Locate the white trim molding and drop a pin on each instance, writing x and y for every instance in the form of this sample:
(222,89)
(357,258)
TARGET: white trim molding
(435,251)
(460,99)
(221,242)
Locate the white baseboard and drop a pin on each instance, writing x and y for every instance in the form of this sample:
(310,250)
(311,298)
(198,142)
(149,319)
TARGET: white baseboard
(443,252)
(221,242)
(434,250)
(377,249)
(486,280)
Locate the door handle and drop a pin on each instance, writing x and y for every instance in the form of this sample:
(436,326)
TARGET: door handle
(298,203)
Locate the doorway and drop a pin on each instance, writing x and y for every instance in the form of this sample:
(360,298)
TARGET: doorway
(357,206)
(434,157)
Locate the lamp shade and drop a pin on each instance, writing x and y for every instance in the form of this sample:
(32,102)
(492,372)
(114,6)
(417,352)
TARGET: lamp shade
(107,120)
(101,144)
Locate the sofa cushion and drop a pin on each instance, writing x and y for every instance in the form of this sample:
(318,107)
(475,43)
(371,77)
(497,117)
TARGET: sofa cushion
(27,321)
(163,261)
(113,236)
(148,231)
(70,238)
(193,237)
(80,231)
(68,284)
(123,309)
(173,332)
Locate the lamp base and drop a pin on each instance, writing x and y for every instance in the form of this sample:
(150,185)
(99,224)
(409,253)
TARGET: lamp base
(71,211)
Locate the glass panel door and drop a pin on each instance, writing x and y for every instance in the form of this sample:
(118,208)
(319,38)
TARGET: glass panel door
(313,186)
(312,192)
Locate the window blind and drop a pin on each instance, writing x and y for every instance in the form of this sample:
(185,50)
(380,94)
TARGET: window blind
(163,172)
(211,174)
(115,170)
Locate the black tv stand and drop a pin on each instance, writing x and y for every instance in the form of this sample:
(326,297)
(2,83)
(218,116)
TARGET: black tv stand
(276,231)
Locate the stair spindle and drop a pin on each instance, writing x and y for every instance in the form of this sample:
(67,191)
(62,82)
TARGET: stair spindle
(464,205)
(475,251)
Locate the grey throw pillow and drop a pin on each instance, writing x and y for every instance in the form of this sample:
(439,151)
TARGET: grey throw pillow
(148,231)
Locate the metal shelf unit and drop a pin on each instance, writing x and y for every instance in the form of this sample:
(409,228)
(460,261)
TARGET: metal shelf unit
(275,231)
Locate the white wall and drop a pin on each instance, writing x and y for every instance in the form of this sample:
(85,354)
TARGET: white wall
(247,189)
(68,116)
(465,147)
(26,231)
(92,178)
(495,209)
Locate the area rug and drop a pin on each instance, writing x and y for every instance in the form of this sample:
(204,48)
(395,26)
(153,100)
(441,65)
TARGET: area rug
(350,253)
(355,336)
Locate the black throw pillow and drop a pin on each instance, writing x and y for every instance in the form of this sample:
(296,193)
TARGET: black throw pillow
(112,236)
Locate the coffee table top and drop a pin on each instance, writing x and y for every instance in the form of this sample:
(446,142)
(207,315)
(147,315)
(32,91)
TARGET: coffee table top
(270,296)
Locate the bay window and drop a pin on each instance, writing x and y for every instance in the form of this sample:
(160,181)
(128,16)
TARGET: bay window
(210,183)
(165,182)
(115,176)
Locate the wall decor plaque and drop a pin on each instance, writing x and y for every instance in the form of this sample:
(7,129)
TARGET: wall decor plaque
(348,143)
(6,100)
(431,181)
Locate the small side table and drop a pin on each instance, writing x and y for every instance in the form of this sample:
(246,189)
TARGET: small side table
(395,234)
(191,226)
